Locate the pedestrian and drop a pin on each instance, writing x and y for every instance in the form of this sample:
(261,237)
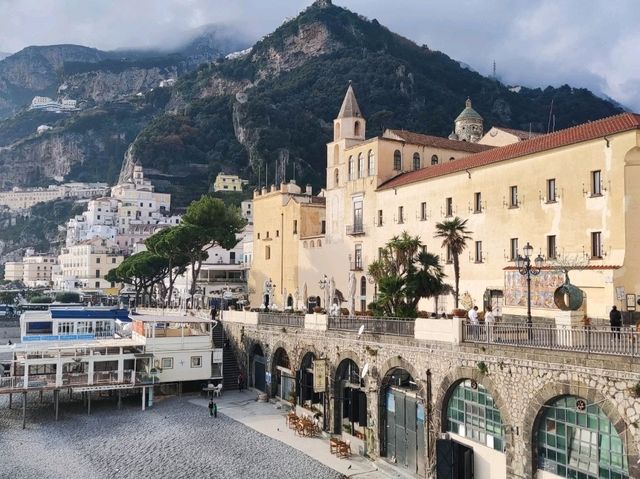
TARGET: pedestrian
(489,320)
(211,406)
(214,313)
(240,382)
(215,410)
(473,320)
(615,318)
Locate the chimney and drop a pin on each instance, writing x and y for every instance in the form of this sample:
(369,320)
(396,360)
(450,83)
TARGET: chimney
(308,190)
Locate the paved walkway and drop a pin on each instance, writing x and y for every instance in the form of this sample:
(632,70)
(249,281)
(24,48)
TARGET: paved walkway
(267,419)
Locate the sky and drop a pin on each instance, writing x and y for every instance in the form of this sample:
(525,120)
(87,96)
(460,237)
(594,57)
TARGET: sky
(585,43)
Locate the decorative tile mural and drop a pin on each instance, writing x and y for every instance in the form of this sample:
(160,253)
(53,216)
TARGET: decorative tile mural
(542,288)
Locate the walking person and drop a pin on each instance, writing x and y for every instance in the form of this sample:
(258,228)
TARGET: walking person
(615,318)
(215,410)
(211,407)
(214,313)
(489,321)
(473,320)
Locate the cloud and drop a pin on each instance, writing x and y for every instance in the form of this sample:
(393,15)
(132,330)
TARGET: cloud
(585,43)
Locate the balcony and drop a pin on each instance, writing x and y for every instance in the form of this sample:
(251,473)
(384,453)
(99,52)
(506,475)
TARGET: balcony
(356,229)
(356,265)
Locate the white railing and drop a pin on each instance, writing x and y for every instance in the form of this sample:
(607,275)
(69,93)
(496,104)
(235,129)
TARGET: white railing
(281,319)
(391,326)
(586,339)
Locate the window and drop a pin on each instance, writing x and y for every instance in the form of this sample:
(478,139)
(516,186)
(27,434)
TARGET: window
(97,273)
(97,284)
(380,218)
(551,190)
(97,262)
(336,177)
(434,160)
(196,361)
(576,439)
(477,202)
(362,167)
(98,216)
(478,251)
(596,183)
(472,413)
(400,214)
(449,207)
(258,235)
(352,172)
(167,363)
(323,227)
(356,129)
(372,163)
(357,258)
(397,160)
(277,233)
(513,197)
(416,161)
(551,247)
(596,244)
(357,216)
(295,227)
(423,211)
(113,260)
(267,252)
(514,249)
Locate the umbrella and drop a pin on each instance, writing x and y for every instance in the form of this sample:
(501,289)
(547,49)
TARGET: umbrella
(305,296)
(332,293)
(352,293)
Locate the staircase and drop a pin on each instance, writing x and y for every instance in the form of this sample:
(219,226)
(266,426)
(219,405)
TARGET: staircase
(230,369)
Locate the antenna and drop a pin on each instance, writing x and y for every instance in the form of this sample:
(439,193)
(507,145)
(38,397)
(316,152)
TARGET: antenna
(494,69)
(293,163)
(266,175)
(553,125)
(550,115)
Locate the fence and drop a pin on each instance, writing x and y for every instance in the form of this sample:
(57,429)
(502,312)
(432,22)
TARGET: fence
(587,339)
(391,326)
(281,319)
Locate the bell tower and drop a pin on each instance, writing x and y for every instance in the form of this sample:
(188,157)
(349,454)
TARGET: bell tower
(350,125)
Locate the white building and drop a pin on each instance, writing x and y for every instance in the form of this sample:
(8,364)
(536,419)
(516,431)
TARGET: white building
(34,270)
(45,103)
(85,265)
(246,208)
(25,198)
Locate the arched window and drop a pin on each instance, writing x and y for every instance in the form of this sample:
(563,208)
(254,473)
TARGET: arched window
(336,133)
(352,171)
(451,159)
(471,413)
(416,161)
(434,160)
(363,286)
(356,129)
(313,244)
(336,178)
(577,439)
(361,166)
(397,160)
(372,163)
(319,243)
(305,244)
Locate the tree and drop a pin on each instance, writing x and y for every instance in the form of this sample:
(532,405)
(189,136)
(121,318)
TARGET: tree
(68,297)
(169,244)
(454,236)
(209,222)
(142,270)
(405,273)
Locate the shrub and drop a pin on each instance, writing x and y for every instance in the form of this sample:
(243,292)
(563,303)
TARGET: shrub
(68,297)
(41,300)
(344,311)
(318,310)
(423,314)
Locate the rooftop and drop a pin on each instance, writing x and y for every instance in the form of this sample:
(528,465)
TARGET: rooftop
(435,141)
(577,134)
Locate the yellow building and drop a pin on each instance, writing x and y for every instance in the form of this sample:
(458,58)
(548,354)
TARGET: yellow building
(286,220)
(228,183)
(571,194)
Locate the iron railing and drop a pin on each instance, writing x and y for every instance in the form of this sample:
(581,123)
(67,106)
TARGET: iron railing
(390,326)
(586,339)
(281,319)
(355,229)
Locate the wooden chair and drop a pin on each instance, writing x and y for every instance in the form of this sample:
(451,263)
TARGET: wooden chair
(344,450)
(334,444)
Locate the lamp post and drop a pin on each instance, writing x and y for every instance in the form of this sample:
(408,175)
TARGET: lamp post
(324,286)
(372,280)
(527,269)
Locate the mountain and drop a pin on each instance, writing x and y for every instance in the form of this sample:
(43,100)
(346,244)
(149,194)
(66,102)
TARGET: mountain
(274,105)
(4,55)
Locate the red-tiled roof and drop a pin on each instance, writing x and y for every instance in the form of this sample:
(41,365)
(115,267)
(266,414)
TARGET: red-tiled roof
(585,132)
(522,134)
(437,141)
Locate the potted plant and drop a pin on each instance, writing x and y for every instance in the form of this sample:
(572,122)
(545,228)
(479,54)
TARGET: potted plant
(459,313)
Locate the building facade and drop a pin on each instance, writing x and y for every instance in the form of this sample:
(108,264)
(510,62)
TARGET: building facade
(85,265)
(228,183)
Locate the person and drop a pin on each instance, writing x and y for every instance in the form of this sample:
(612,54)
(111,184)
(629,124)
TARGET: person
(473,319)
(240,382)
(489,320)
(215,410)
(9,343)
(214,313)
(615,318)
(211,406)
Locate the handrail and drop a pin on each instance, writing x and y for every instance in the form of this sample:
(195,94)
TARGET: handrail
(281,319)
(391,326)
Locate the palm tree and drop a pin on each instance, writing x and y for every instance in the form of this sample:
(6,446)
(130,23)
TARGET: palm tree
(454,234)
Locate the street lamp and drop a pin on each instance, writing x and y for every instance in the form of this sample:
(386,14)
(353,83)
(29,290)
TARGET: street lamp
(373,281)
(527,269)
(324,286)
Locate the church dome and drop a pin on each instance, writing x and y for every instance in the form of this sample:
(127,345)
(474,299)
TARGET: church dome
(469,113)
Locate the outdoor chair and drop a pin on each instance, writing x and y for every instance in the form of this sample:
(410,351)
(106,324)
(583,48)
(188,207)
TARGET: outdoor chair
(334,444)
(344,450)
(217,391)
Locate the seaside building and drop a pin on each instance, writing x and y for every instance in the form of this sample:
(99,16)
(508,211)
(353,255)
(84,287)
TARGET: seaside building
(511,195)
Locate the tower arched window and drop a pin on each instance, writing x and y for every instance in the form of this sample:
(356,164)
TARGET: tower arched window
(356,129)
(416,161)
(434,160)
(352,173)
(361,166)
(397,160)
(336,133)
(336,178)
(372,163)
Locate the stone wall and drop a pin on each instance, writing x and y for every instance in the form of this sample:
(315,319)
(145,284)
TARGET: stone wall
(520,380)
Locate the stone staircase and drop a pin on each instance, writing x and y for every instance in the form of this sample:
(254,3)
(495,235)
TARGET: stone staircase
(230,368)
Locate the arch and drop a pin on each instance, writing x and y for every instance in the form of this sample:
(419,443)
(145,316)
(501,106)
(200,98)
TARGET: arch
(451,159)
(372,162)
(336,178)
(362,172)
(356,129)
(347,397)
(313,244)
(282,375)
(397,160)
(336,131)
(319,243)
(434,160)
(257,367)
(289,301)
(307,398)
(336,154)
(352,172)
(536,409)
(416,161)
